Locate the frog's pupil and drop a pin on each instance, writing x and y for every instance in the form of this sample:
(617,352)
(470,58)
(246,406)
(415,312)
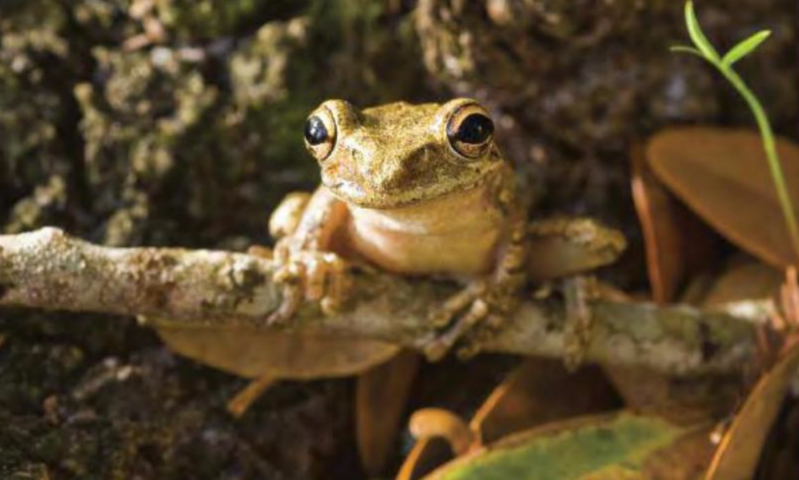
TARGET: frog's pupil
(315,131)
(475,129)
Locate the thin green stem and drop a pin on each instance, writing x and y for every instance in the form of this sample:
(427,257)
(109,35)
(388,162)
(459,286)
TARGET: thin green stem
(769,146)
(724,63)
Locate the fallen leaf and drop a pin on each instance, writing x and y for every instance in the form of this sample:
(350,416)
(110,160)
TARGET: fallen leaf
(536,392)
(677,244)
(740,449)
(723,176)
(744,279)
(607,447)
(381,398)
(255,353)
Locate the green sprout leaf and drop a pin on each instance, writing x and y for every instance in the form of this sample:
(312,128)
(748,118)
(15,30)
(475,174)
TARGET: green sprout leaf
(686,49)
(745,47)
(697,36)
(724,66)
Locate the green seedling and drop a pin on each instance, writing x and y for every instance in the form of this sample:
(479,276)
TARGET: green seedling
(704,49)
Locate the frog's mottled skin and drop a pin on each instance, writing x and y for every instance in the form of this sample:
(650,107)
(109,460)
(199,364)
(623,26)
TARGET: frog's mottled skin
(397,193)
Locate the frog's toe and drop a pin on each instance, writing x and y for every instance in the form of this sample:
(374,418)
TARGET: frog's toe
(317,277)
(435,348)
(338,286)
(469,317)
(291,276)
(464,323)
(455,304)
(579,292)
(292,296)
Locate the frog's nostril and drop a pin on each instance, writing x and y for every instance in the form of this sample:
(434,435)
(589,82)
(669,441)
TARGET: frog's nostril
(357,156)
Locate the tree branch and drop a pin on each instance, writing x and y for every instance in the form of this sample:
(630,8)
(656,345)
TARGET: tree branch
(48,269)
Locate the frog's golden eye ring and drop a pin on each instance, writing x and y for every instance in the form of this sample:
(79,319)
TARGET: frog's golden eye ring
(320,133)
(470,130)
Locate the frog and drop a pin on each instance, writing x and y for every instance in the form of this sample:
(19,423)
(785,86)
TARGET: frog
(423,191)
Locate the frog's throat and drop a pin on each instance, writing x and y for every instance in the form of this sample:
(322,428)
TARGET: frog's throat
(454,234)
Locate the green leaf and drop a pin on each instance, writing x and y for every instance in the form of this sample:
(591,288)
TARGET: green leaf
(745,47)
(697,36)
(686,49)
(599,448)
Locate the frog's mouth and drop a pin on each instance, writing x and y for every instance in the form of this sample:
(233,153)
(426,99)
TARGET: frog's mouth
(354,194)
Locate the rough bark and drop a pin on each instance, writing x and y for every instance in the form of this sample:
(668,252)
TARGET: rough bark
(48,269)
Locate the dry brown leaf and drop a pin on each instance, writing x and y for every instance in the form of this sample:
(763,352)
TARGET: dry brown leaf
(255,353)
(538,392)
(739,451)
(677,244)
(744,279)
(381,397)
(723,176)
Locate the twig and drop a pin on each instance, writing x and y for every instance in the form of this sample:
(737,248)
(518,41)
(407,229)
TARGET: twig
(50,270)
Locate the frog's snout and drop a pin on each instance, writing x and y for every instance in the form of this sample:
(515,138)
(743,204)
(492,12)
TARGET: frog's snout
(392,174)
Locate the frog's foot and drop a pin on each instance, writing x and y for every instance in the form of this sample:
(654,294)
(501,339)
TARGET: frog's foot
(309,275)
(578,293)
(476,311)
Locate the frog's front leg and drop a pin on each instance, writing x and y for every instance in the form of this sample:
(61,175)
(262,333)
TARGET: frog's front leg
(305,265)
(484,302)
(579,292)
(565,249)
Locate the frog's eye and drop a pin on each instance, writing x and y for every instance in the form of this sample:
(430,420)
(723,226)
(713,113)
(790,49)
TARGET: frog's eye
(470,131)
(320,133)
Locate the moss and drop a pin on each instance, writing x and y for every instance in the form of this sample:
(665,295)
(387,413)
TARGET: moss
(44,207)
(29,107)
(210,19)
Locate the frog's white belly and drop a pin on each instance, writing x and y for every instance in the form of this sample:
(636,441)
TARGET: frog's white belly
(456,235)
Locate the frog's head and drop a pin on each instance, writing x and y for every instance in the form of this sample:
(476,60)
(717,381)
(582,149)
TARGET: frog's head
(400,154)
